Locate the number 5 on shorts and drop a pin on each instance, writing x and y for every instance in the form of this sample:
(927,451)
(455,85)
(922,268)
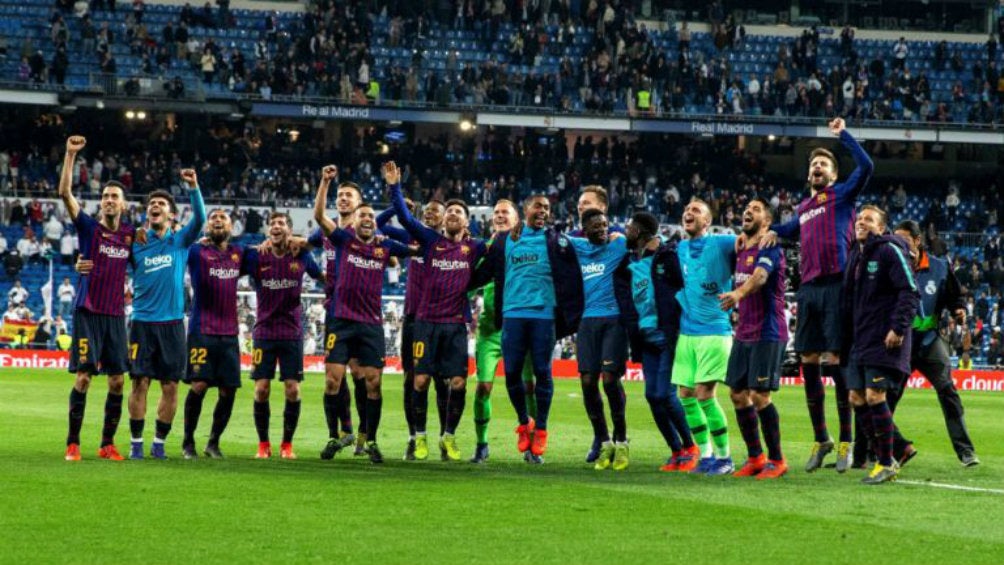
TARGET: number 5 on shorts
(83,347)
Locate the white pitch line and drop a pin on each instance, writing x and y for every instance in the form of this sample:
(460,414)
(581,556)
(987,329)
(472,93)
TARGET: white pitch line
(951,486)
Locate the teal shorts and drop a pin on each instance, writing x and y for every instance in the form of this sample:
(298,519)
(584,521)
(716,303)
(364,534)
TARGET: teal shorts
(701,359)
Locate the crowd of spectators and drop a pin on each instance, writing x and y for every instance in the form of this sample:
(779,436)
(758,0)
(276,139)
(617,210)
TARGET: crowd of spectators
(329,52)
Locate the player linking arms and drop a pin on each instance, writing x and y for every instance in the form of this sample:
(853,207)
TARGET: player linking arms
(880,299)
(755,362)
(99,330)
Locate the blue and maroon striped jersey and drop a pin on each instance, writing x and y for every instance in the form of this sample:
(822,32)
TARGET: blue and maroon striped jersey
(360,275)
(824,221)
(318,241)
(278,282)
(214,273)
(761,314)
(440,294)
(102,291)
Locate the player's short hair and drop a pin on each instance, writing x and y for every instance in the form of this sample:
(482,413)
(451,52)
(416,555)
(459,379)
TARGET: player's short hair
(510,203)
(161,193)
(701,201)
(535,196)
(352,185)
(589,214)
(461,203)
(909,226)
(766,205)
(882,215)
(435,201)
(647,223)
(115,184)
(215,210)
(826,153)
(362,205)
(599,191)
(277,214)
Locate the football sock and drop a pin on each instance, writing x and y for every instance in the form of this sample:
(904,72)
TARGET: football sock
(660,413)
(698,423)
(843,401)
(882,422)
(373,408)
(161,429)
(78,402)
(717,425)
(863,414)
(409,402)
(594,407)
(771,426)
(262,413)
(544,392)
(678,416)
(344,406)
(193,410)
(455,409)
(221,415)
(746,417)
(290,419)
(442,400)
(113,413)
(331,414)
(618,406)
(517,396)
(420,407)
(482,416)
(136,428)
(359,393)
(815,397)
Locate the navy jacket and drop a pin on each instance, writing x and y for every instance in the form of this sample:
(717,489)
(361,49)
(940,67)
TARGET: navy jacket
(939,289)
(668,280)
(879,295)
(565,274)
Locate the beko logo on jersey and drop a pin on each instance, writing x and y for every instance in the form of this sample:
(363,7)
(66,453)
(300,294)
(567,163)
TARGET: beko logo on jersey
(279,284)
(524,258)
(593,270)
(222,273)
(362,263)
(158,261)
(810,215)
(113,252)
(445,265)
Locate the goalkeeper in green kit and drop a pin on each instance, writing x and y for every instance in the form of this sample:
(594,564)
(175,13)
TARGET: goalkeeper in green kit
(488,350)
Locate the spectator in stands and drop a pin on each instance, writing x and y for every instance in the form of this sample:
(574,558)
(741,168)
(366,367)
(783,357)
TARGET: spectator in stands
(67,293)
(53,229)
(899,52)
(17,295)
(20,341)
(63,341)
(43,333)
(12,264)
(27,246)
(3,247)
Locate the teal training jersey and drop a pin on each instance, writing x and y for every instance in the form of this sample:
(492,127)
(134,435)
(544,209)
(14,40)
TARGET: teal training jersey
(707,265)
(529,289)
(598,264)
(643,292)
(158,277)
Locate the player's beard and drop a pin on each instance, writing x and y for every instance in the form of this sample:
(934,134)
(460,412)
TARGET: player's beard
(219,238)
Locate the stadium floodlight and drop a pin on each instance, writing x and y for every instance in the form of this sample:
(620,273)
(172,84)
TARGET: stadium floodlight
(294,134)
(141,115)
(130,115)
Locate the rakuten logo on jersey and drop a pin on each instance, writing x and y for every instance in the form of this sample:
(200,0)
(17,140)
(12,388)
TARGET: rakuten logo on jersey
(279,284)
(452,265)
(113,252)
(810,215)
(362,263)
(34,360)
(224,274)
(741,278)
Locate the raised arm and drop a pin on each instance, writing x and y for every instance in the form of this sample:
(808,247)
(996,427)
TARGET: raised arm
(395,233)
(788,230)
(398,249)
(190,232)
(73,146)
(311,265)
(327,225)
(864,166)
(392,176)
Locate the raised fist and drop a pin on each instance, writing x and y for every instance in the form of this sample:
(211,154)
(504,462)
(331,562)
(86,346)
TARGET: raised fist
(837,126)
(329,172)
(75,143)
(190,178)
(391,174)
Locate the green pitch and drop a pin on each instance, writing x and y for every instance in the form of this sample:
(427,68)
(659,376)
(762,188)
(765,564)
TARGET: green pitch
(347,511)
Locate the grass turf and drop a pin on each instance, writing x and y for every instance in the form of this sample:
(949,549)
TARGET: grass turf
(348,511)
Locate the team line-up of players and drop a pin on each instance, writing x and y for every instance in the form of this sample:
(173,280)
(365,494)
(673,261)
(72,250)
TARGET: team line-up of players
(664,304)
